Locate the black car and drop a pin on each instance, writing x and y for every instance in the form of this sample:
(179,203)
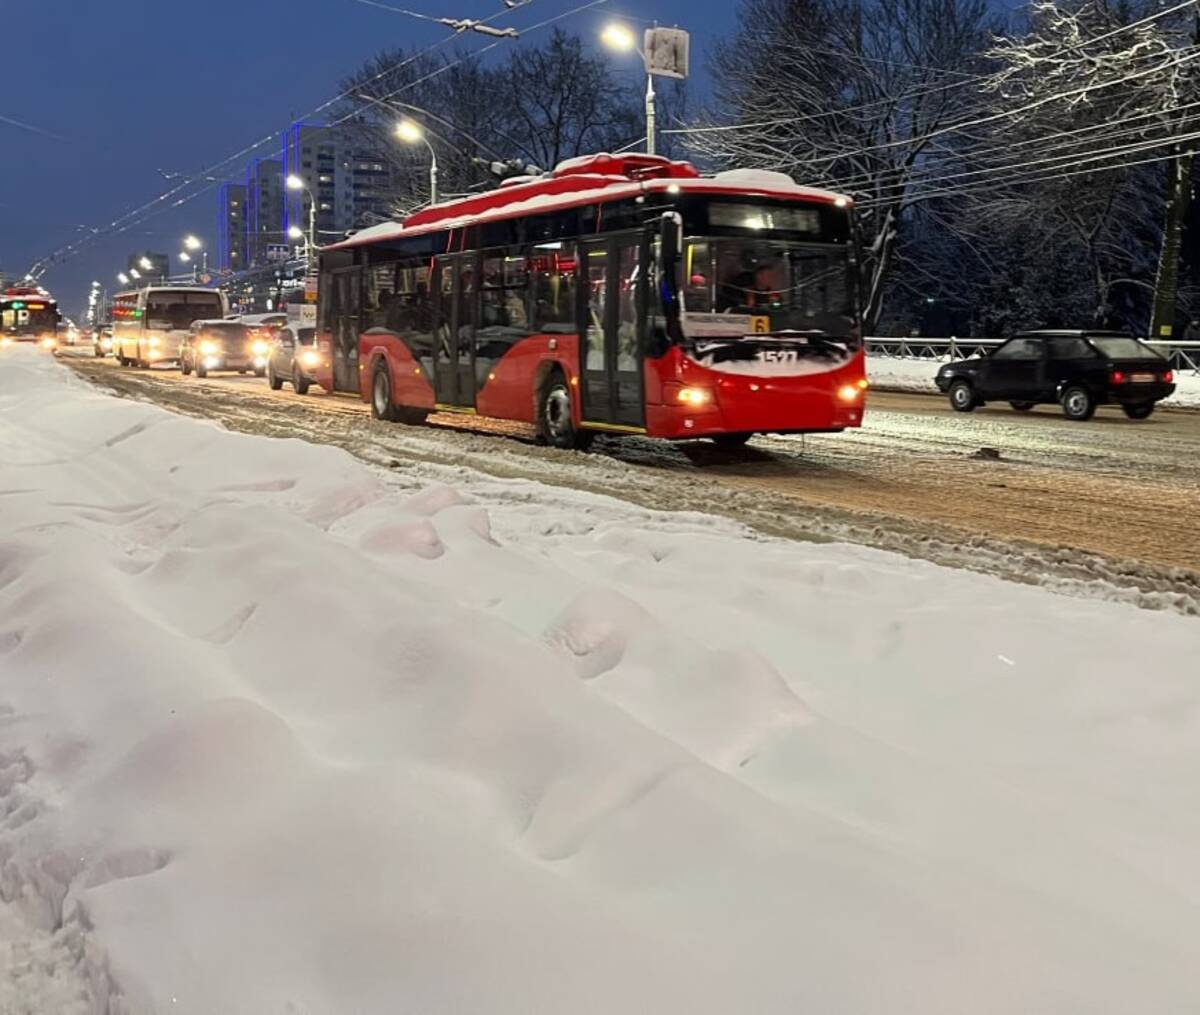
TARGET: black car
(223,345)
(1077,369)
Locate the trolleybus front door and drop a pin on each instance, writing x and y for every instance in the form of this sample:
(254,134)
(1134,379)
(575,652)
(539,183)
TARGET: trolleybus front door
(346,315)
(454,348)
(610,353)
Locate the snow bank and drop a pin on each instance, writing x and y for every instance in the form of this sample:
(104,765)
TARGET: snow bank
(891,374)
(277,736)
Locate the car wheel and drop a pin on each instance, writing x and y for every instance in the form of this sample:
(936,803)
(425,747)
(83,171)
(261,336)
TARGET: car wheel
(1078,403)
(962,397)
(381,394)
(1139,410)
(185,367)
(731,440)
(260,371)
(299,382)
(201,370)
(555,422)
(1022,406)
(97,351)
(275,381)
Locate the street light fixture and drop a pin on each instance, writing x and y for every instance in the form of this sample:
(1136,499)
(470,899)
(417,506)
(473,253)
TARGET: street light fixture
(410,132)
(134,273)
(122,278)
(146,264)
(294,182)
(619,37)
(192,243)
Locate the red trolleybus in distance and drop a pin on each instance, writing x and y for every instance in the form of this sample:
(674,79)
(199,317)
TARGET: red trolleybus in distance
(28,314)
(623,294)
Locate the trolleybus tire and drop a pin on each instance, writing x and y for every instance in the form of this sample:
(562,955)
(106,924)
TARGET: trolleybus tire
(555,425)
(382,406)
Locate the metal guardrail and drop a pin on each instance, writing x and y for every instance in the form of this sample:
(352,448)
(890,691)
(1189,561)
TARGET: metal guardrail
(1183,356)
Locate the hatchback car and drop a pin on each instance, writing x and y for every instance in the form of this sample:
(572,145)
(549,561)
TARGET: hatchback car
(293,358)
(222,345)
(1077,369)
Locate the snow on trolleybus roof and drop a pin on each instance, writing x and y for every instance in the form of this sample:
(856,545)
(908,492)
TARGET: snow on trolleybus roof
(589,179)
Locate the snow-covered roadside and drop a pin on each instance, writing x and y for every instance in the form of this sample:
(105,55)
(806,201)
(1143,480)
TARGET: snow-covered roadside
(888,373)
(278,736)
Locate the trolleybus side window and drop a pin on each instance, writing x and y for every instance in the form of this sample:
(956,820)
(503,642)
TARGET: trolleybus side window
(552,270)
(597,302)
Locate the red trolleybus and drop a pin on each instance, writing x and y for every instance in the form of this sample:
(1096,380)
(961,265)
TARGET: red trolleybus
(625,294)
(28,314)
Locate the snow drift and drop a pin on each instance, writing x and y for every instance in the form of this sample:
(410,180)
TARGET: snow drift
(277,735)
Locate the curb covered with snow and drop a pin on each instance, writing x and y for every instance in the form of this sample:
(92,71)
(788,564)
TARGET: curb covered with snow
(889,373)
(277,736)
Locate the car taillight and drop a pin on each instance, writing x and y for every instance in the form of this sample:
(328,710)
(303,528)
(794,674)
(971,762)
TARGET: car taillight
(1168,377)
(1118,377)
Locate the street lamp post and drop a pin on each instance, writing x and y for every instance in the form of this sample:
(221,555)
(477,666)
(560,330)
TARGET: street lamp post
(410,132)
(619,37)
(294,182)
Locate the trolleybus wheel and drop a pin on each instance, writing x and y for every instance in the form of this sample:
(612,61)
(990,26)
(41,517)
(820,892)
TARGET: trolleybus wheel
(381,394)
(555,424)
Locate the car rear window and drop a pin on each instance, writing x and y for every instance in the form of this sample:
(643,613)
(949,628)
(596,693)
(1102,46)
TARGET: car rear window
(1119,347)
(1070,348)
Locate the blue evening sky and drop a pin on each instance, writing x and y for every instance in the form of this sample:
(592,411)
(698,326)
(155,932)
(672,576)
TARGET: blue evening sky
(131,86)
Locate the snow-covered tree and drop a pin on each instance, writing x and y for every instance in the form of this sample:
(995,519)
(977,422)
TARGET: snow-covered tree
(847,94)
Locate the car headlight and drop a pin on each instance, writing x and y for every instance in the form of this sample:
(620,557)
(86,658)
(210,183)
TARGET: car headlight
(310,359)
(260,348)
(208,348)
(48,342)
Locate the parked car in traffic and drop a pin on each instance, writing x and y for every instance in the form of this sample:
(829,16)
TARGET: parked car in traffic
(1079,370)
(102,340)
(293,358)
(223,345)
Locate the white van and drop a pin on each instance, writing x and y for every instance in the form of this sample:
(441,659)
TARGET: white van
(149,325)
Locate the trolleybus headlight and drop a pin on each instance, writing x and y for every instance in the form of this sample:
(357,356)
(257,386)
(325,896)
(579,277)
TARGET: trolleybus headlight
(310,359)
(154,340)
(849,392)
(695,396)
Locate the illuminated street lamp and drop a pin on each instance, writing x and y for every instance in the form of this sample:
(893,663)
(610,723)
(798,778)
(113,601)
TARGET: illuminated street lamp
(146,264)
(134,273)
(410,132)
(122,278)
(295,182)
(184,256)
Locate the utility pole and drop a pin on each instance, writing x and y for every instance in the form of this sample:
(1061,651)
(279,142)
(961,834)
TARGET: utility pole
(1179,200)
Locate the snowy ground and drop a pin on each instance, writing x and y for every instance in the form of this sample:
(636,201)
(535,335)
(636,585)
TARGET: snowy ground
(280,733)
(890,374)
